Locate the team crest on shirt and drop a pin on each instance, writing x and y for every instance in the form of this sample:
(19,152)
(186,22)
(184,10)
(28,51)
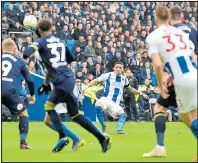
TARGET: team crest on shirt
(19,106)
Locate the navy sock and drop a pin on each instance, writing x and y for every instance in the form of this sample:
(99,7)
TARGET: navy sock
(121,122)
(23,129)
(67,132)
(100,116)
(89,126)
(57,122)
(160,126)
(194,127)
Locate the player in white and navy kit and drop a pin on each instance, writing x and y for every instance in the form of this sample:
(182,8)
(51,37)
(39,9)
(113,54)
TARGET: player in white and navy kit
(113,92)
(172,46)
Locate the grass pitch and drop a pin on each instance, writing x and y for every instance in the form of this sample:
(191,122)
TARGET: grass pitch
(180,144)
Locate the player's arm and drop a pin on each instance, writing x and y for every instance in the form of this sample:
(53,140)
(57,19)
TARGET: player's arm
(158,66)
(45,87)
(135,91)
(30,83)
(93,82)
(103,77)
(47,78)
(153,52)
(29,51)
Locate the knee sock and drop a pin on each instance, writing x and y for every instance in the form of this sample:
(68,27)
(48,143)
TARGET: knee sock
(121,122)
(100,116)
(23,129)
(89,126)
(67,132)
(160,126)
(57,122)
(194,127)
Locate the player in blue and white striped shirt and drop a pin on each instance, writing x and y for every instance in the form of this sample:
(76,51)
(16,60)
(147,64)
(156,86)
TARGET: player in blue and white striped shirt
(112,95)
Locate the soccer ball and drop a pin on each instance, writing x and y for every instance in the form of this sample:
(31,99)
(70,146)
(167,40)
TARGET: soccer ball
(30,21)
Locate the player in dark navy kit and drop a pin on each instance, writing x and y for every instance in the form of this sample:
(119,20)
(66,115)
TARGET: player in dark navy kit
(163,103)
(12,67)
(54,56)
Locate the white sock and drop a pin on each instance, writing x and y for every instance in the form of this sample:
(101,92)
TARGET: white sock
(159,146)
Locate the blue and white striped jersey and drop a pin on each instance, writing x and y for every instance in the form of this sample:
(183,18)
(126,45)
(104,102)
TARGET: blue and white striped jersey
(114,86)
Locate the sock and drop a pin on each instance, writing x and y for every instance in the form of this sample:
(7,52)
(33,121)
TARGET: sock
(194,127)
(67,132)
(121,122)
(160,126)
(57,122)
(23,128)
(100,116)
(89,126)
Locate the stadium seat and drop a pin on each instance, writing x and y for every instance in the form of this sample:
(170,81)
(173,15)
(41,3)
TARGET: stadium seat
(59,5)
(71,45)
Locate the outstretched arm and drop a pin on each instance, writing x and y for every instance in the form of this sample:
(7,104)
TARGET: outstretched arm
(47,78)
(93,82)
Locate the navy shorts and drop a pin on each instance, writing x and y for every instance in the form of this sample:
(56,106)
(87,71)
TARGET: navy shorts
(171,100)
(13,102)
(63,92)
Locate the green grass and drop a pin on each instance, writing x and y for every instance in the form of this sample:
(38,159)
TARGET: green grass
(180,144)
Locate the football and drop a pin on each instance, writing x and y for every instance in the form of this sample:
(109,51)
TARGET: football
(30,21)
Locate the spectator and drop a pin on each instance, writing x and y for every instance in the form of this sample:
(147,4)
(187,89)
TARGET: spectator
(81,43)
(41,11)
(78,54)
(31,67)
(19,44)
(17,27)
(90,51)
(78,93)
(98,71)
(27,42)
(98,49)
(112,61)
(11,14)
(21,13)
(79,32)
(5,25)
(134,68)
(146,72)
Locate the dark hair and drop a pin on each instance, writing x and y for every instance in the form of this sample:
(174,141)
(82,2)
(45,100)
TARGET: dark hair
(175,13)
(119,63)
(44,24)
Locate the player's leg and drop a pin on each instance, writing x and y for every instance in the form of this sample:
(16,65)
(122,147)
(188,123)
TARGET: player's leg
(160,127)
(23,129)
(16,106)
(100,106)
(122,118)
(191,120)
(77,141)
(72,106)
(53,99)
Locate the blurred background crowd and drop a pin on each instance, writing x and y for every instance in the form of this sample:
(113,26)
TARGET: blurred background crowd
(99,34)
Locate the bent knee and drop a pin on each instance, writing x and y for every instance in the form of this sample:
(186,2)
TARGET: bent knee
(49,106)
(120,112)
(47,119)
(159,108)
(100,105)
(24,113)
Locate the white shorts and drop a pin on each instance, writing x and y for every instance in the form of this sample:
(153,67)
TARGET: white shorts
(110,107)
(186,92)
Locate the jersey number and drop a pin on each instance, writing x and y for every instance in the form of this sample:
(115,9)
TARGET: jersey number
(6,67)
(173,46)
(59,57)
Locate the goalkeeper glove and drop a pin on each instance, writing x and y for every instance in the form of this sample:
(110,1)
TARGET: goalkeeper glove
(44,88)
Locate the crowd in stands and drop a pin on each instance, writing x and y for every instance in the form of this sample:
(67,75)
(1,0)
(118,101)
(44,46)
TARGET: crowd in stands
(98,33)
